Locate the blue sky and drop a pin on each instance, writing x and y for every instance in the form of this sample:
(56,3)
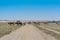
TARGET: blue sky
(29,9)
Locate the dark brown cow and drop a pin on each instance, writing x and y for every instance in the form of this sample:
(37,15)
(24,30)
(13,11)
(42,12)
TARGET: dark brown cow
(11,23)
(24,23)
(45,22)
(29,22)
(36,23)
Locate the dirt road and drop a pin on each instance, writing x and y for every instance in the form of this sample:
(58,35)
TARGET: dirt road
(28,32)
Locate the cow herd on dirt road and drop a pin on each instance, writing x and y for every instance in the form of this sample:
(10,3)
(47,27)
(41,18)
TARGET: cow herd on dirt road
(17,23)
(20,23)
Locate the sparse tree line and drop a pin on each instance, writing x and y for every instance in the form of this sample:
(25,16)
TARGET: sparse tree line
(20,23)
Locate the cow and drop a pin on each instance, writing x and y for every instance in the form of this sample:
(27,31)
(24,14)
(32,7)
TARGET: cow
(29,22)
(11,23)
(45,22)
(36,23)
(19,23)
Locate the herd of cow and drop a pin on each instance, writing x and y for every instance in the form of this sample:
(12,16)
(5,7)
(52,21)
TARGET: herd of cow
(18,23)
(21,23)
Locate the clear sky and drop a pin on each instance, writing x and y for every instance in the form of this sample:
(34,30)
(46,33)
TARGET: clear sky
(30,9)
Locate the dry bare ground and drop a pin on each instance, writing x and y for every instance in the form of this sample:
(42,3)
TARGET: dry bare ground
(28,32)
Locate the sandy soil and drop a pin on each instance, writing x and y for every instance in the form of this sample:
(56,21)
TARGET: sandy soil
(28,32)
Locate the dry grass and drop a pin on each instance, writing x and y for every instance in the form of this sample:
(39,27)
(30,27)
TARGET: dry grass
(52,27)
(6,29)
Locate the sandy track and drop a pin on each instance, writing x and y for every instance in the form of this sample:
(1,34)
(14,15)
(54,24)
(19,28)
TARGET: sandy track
(28,32)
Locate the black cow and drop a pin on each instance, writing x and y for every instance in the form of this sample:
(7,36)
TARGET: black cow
(18,23)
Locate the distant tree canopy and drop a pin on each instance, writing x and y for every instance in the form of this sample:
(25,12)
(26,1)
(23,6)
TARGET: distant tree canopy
(18,21)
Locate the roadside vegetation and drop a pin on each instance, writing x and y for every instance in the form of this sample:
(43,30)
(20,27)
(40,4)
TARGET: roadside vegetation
(52,29)
(6,28)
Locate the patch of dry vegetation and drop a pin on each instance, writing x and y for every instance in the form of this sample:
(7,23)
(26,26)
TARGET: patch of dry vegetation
(6,29)
(52,27)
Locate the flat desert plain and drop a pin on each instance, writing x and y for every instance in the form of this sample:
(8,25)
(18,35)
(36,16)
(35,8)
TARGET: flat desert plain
(30,32)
